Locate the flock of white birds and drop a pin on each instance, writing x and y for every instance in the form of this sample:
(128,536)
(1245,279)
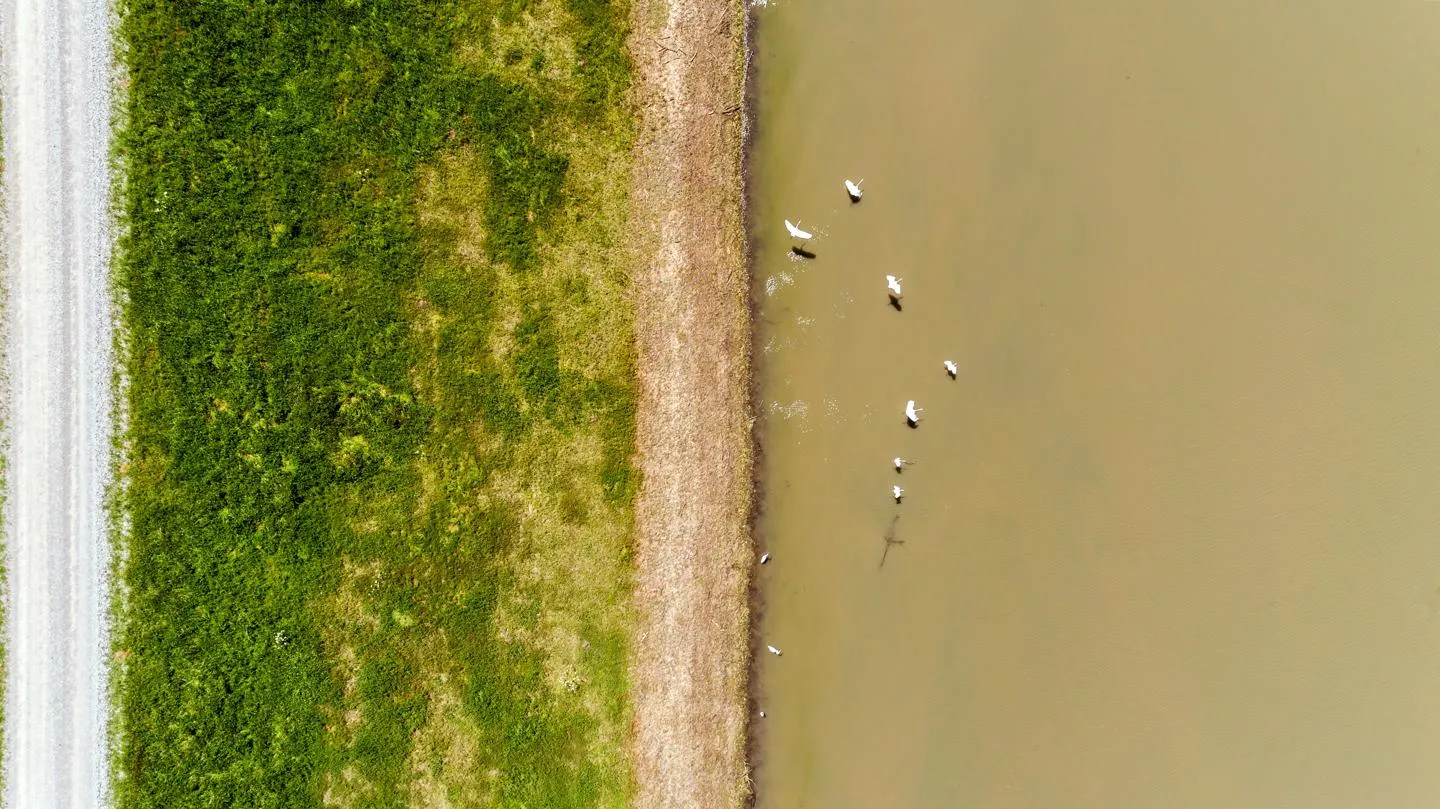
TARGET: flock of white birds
(893,288)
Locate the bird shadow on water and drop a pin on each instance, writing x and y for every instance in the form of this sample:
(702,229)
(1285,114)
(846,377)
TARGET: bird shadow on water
(890,540)
(895,302)
(802,252)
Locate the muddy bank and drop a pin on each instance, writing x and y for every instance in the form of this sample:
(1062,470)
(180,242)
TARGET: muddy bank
(690,660)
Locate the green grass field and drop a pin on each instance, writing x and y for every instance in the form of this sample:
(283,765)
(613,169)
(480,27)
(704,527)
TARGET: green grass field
(381,404)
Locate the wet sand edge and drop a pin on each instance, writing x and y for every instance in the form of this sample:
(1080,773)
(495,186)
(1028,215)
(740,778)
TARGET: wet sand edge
(690,655)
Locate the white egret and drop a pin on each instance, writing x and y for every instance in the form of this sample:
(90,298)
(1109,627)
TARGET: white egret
(893,284)
(764,557)
(797,233)
(762,714)
(900,462)
(951,368)
(853,189)
(898,492)
(773,650)
(912,413)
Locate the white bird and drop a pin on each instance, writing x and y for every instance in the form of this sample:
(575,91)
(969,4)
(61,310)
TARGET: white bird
(764,557)
(898,492)
(796,232)
(773,650)
(912,413)
(893,284)
(853,189)
(762,714)
(900,462)
(951,368)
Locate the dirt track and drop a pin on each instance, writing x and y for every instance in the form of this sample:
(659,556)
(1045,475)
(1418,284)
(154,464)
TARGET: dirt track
(693,552)
(56,58)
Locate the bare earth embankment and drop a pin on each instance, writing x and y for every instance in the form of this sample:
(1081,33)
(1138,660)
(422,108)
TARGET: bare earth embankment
(691,652)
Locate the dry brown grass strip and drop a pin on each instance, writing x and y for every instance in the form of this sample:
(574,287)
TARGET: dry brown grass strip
(693,556)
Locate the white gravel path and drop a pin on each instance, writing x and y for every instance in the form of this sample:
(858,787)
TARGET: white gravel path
(55,62)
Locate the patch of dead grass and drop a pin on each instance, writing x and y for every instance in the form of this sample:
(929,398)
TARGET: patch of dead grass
(566,568)
(542,31)
(445,753)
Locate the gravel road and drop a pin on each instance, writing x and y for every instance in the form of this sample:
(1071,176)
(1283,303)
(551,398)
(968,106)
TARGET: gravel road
(55,60)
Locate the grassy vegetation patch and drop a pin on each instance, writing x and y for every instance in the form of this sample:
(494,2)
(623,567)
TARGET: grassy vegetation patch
(381,404)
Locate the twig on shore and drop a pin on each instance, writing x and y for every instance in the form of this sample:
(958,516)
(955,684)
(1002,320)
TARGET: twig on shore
(669,49)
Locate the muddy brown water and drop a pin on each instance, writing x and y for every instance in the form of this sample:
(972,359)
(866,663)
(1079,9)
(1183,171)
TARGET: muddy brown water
(1172,539)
